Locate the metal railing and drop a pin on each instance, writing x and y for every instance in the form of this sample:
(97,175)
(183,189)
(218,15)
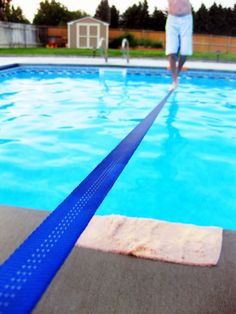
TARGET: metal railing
(103,48)
(125,52)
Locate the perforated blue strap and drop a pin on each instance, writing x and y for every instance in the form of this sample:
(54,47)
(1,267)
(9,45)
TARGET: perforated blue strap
(26,274)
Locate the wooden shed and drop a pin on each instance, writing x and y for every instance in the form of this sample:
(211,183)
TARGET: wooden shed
(87,32)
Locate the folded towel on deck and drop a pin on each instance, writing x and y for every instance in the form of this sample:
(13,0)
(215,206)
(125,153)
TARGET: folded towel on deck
(154,239)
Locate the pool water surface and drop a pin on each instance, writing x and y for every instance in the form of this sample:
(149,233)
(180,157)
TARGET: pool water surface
(58,123)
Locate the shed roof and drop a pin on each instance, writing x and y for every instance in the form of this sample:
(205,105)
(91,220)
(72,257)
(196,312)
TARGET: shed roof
(88,17)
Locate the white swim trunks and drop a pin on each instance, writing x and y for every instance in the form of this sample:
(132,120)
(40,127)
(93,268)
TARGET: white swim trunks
(179,31)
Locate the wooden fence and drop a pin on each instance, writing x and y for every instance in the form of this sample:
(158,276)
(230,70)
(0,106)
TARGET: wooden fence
(201,43)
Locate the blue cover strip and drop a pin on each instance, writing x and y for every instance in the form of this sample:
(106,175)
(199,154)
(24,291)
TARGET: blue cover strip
(25,275)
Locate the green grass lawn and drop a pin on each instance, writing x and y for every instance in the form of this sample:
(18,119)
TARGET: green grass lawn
(227,57)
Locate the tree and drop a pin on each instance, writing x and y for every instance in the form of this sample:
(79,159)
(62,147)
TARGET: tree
(115,17)
(144,16)
(51,13)
(217,22)
(136,16)
(3,5)
(131,17)
(158,20)
(201,20)
(231,18)
(75,15)
(103,11)
(15,15)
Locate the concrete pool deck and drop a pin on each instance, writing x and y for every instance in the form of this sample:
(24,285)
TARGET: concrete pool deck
(104,283)
(134,62)
(92,282)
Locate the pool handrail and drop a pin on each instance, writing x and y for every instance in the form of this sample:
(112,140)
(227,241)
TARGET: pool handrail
(125,44)
(101,48)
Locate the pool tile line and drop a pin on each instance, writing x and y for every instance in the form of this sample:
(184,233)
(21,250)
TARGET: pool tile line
(14,69)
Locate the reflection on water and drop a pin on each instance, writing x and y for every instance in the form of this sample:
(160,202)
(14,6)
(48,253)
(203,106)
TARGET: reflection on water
(173,132)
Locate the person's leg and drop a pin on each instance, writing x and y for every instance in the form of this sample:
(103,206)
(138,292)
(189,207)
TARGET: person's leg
(172,44)
(185,40)
(182,60)
(173,68)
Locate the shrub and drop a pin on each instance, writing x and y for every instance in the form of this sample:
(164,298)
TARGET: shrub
(134,42)
(157,44)
(116,42)
(148,43)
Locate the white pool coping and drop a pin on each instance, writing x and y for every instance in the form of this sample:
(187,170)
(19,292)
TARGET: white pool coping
(98,61)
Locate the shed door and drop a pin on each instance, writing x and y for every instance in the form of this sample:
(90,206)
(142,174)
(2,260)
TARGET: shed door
(87,35)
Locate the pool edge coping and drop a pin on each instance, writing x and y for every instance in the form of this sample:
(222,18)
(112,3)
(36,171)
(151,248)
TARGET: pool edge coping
(115,62)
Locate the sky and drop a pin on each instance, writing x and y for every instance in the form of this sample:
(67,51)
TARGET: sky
(29,7)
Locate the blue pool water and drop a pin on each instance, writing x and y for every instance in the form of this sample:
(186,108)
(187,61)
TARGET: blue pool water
(58,123)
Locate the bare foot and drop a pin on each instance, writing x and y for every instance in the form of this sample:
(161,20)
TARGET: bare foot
(174,85)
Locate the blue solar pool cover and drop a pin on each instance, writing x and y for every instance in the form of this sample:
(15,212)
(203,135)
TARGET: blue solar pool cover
(26,274)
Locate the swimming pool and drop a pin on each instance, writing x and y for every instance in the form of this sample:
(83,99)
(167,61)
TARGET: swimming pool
(58,123)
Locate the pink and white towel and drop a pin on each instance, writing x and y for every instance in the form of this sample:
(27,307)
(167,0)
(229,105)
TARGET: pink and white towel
(154,239)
